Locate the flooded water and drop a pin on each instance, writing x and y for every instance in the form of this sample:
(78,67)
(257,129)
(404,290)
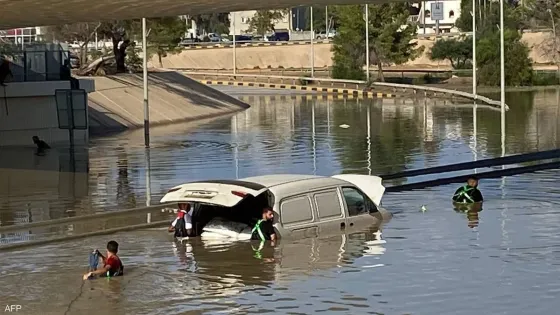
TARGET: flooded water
(502,260)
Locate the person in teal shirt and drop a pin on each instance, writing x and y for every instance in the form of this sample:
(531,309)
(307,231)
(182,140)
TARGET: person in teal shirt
(468,193)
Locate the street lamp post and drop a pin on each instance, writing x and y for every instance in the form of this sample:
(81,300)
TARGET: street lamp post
(145,85)
(555,45)
(327,22)
(234,51)
(312,48)
(502,78)
(473,13)
(367,42)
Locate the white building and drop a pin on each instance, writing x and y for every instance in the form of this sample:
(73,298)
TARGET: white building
(451,11)
(239,22)
(27,35)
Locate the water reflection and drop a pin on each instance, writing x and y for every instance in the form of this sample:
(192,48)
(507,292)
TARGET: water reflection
(511,245)
(174,277)
(471,211)
(36,188)
(294,135)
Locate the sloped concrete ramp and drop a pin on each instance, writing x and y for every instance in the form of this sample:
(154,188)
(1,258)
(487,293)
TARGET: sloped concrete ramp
(117,103)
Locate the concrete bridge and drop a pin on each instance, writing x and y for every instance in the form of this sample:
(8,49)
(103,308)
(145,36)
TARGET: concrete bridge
(22,13)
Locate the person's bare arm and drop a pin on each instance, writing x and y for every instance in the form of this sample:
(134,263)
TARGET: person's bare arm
(96,272)
(273,237)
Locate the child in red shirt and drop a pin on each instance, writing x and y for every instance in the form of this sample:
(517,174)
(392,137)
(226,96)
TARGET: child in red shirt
(112,265)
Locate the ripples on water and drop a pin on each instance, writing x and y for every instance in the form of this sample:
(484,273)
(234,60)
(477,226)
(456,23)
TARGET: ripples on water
(502,260)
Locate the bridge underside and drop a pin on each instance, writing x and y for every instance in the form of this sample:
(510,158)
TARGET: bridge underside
(24,13)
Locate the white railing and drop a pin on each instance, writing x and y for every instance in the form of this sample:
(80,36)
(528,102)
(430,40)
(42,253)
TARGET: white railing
(435,90)
(277,77)
(358,83)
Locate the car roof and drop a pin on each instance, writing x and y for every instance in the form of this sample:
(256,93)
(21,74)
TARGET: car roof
(284,179)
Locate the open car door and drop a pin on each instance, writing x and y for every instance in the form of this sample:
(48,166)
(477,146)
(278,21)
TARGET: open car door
(370,185)
(225,193)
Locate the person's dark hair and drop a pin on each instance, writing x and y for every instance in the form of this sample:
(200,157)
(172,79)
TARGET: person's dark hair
(113,247)
(267,209)
(472,177)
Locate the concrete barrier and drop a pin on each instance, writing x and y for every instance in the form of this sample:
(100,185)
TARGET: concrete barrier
(116,104)
(298,56)
(254,44)
(230,79)
(344,92)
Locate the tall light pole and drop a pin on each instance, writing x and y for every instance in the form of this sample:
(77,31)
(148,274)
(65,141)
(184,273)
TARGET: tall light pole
(555,45)
(473,13)
(234,51)
(367,42)
(502,78)
(145,79)
(327,22)
(312,48)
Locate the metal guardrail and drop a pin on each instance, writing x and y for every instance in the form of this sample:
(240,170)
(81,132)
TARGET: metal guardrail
(278,77)
(435,90)
(394,86)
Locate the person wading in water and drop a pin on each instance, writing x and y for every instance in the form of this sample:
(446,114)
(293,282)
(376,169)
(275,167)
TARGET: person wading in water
(468,193)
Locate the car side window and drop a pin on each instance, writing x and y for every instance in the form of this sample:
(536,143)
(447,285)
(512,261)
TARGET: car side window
(356,202)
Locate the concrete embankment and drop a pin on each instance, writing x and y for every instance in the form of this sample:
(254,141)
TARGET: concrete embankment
(117,103)
(298,56)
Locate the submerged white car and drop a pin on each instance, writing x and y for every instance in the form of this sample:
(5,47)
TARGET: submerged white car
(304,205)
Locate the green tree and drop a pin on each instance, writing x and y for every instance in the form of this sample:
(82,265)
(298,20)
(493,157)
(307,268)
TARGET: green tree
(457,51)
(165,34)
(119,32)
(213,23)
(263,20)
(488,16)
(390,39)
(83,33)
(518,65)
(8,49)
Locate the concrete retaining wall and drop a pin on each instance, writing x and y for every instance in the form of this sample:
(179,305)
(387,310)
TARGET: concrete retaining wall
(117,103)
(29,109)
(298,56)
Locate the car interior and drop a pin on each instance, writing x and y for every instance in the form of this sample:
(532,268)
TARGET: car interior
(247,211)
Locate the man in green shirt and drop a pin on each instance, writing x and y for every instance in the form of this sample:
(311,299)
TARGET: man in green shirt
(468,193)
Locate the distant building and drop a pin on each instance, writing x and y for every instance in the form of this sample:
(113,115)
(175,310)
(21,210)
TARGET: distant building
(27,35)
(239,21)
(423,17)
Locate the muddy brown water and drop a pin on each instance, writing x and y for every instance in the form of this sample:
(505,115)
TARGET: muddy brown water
(502,260)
